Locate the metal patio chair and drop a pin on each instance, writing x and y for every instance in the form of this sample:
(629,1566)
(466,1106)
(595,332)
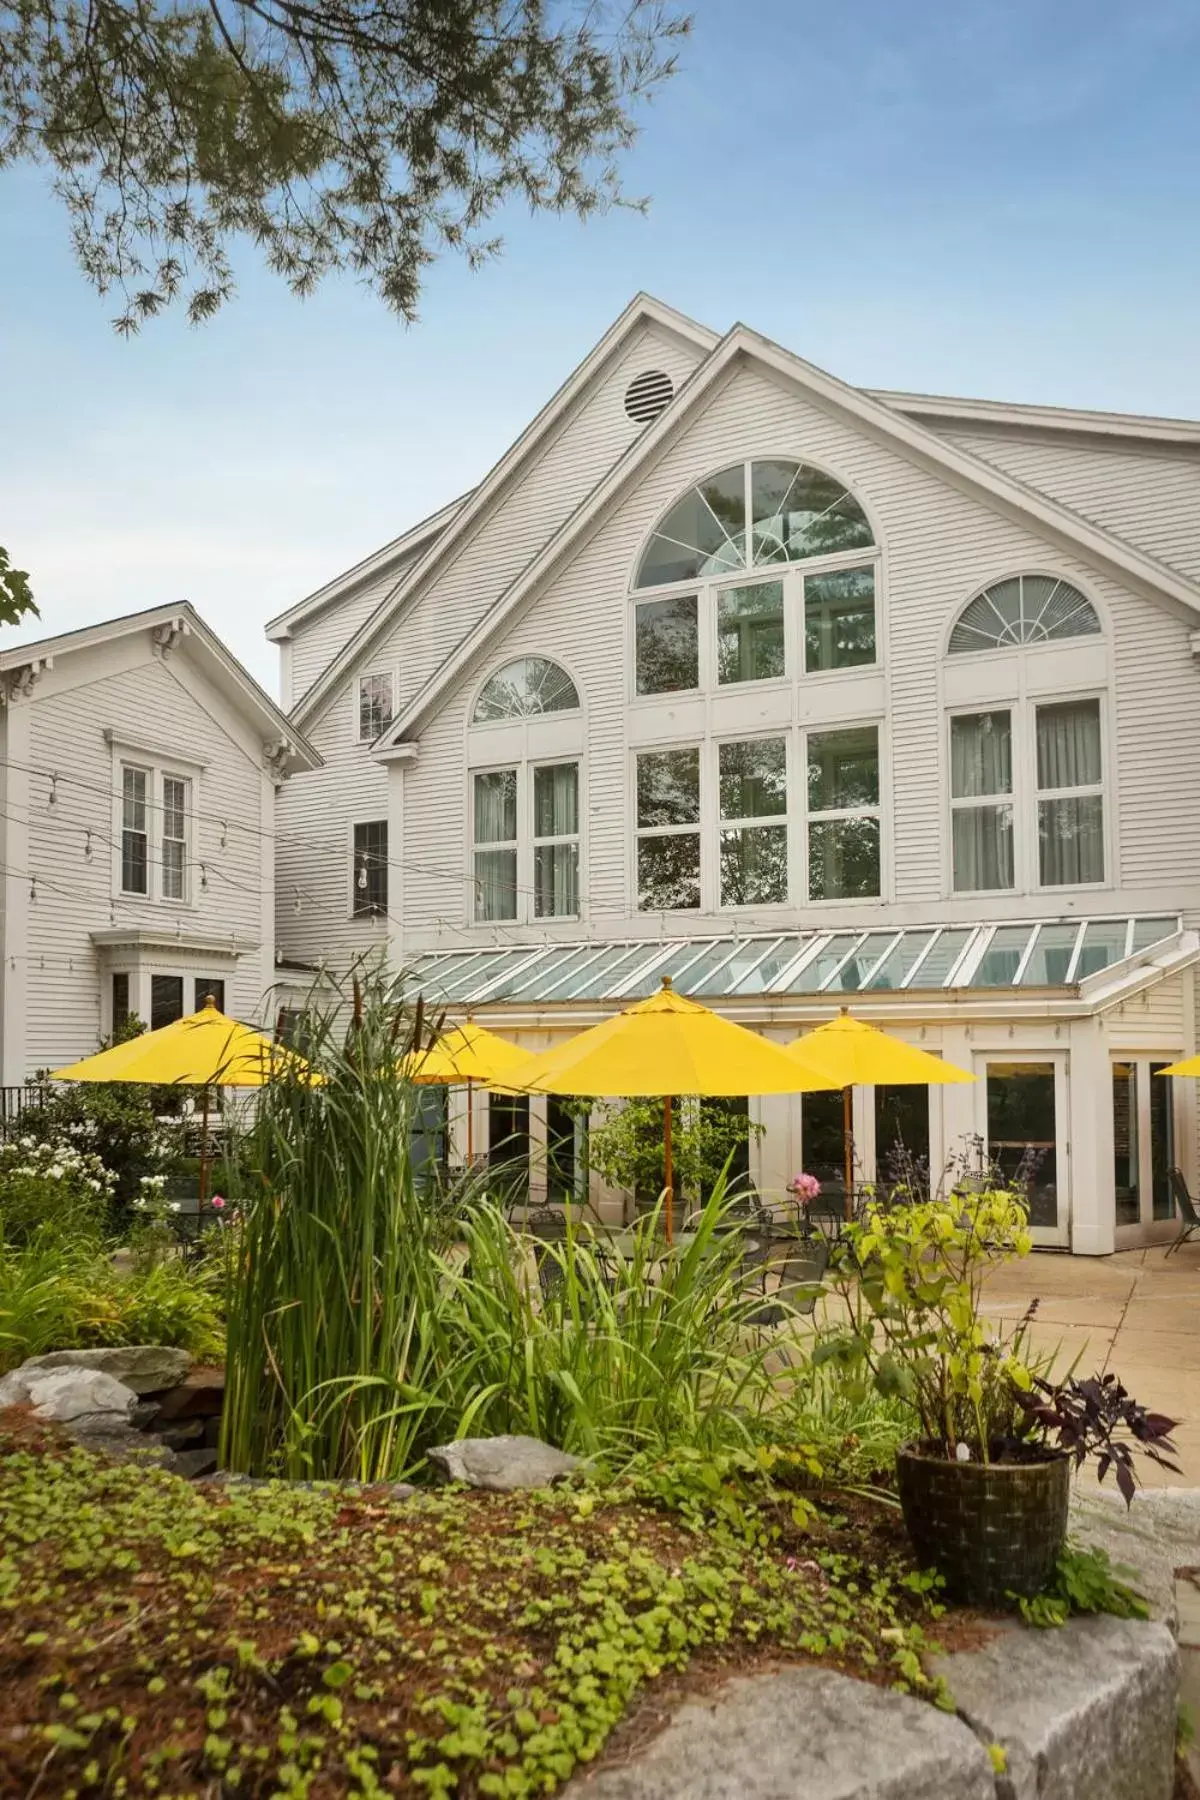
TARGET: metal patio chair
(1185,1207)
(800,1268)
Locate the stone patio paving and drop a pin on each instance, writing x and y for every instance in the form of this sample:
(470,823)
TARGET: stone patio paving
(1137,1314)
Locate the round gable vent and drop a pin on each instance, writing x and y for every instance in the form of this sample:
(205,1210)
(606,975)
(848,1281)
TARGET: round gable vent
(647,395)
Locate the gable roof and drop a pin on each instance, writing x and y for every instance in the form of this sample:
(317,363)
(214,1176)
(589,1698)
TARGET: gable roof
(280,628)
(1081,421)
(178,623)
(643,308)
(943,455)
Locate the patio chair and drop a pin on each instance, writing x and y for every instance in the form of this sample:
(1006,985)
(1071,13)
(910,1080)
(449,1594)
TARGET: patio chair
(546,1225)
(1185,1207)
(800,1268)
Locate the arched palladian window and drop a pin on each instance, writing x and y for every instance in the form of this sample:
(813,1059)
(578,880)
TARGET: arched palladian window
(525,687)
(1027,609)
(752,515)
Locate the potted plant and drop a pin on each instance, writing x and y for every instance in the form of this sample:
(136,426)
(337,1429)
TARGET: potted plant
(984,1484)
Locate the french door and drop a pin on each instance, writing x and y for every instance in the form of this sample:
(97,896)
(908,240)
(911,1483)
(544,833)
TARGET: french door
(1024,1123)
(1144,1149)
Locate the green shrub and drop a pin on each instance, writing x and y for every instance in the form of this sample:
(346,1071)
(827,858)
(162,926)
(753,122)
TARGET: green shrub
(113,1120)
(51,1188)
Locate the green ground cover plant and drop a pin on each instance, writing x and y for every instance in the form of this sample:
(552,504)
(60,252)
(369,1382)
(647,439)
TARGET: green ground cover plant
(163,1638)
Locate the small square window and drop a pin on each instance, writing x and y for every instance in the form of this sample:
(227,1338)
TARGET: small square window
(374,706)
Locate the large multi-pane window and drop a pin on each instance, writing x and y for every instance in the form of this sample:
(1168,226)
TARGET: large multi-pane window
(752,786)
(981,811)
(1027,797)
(843,814)
(1070,786)
(526,861)
(135,836)
(370,887)
(668,830)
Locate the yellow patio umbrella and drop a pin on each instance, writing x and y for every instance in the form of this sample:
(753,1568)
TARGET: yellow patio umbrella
(205,1049)
(465,1054)
(852,1054)
(1190,1065)
(666,1046)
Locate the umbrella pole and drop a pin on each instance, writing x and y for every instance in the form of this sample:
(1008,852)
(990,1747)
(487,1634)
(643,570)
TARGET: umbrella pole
(470,1123)
(204,1149)
(668,1171)
(848,1135)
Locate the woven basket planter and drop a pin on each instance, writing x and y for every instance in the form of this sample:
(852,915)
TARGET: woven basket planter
(991,1529)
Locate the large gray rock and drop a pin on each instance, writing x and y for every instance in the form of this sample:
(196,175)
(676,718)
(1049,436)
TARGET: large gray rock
(69,1395)
(802,1734)
(106,1436)
(1086,1712)
(1139,1542)
(502,1464)
(146,1368)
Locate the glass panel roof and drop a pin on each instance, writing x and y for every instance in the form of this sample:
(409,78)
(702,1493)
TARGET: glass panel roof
(1047,954)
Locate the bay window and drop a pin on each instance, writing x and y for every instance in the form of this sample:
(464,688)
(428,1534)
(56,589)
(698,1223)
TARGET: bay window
(843,814)
(668,830)
(981,818)
(526,842)
(752,787)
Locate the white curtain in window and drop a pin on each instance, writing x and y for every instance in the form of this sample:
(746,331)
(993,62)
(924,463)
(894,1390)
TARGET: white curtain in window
(1068,745)
(556,800)
(983,848)
(981,755)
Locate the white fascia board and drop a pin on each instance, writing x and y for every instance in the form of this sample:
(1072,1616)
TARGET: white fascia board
(945,457)
(279,629)
(189,636)
(643,308)
(1079,420)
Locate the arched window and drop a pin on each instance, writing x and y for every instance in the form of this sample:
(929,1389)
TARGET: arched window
(1027,609)
(752,515)
(529,685)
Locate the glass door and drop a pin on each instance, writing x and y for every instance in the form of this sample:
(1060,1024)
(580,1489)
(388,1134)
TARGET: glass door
(1144,1149)
(1024,1128)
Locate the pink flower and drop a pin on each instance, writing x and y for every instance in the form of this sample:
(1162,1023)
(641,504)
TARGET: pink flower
(217,1202)
(805,1187)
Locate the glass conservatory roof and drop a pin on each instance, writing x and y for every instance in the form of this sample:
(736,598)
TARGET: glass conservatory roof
(1045,953)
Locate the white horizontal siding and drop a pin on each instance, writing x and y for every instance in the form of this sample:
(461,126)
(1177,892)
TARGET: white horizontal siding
(1148,495)
(940,544)
(315,642)
(75,896)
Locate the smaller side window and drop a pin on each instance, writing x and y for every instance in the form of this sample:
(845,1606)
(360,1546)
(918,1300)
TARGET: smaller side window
(495,813)
(135,848)
(120,1000)
(375,709)
(370,869)
(174,837)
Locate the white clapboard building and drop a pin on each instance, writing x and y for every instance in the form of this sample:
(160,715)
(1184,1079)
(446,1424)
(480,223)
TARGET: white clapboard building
(804,696)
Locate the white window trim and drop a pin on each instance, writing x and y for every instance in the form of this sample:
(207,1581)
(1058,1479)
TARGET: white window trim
(369,919)
(796,819)
(368,675)
(1025,795)
(792,576)
(525,844)
(156,773)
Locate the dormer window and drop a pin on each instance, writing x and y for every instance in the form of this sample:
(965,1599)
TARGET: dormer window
(375,705)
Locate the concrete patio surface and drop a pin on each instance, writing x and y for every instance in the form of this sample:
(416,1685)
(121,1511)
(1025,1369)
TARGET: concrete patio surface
(1136,1314)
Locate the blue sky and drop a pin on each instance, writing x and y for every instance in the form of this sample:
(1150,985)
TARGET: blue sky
(995,197)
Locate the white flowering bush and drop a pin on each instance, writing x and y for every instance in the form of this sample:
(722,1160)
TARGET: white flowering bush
(52,1189)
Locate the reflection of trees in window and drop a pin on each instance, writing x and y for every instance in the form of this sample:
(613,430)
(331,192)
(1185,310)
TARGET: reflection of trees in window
(750,644)
(668,820)
(750,514)
(843,807)
(527,686)
(839,619)
(667,645)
